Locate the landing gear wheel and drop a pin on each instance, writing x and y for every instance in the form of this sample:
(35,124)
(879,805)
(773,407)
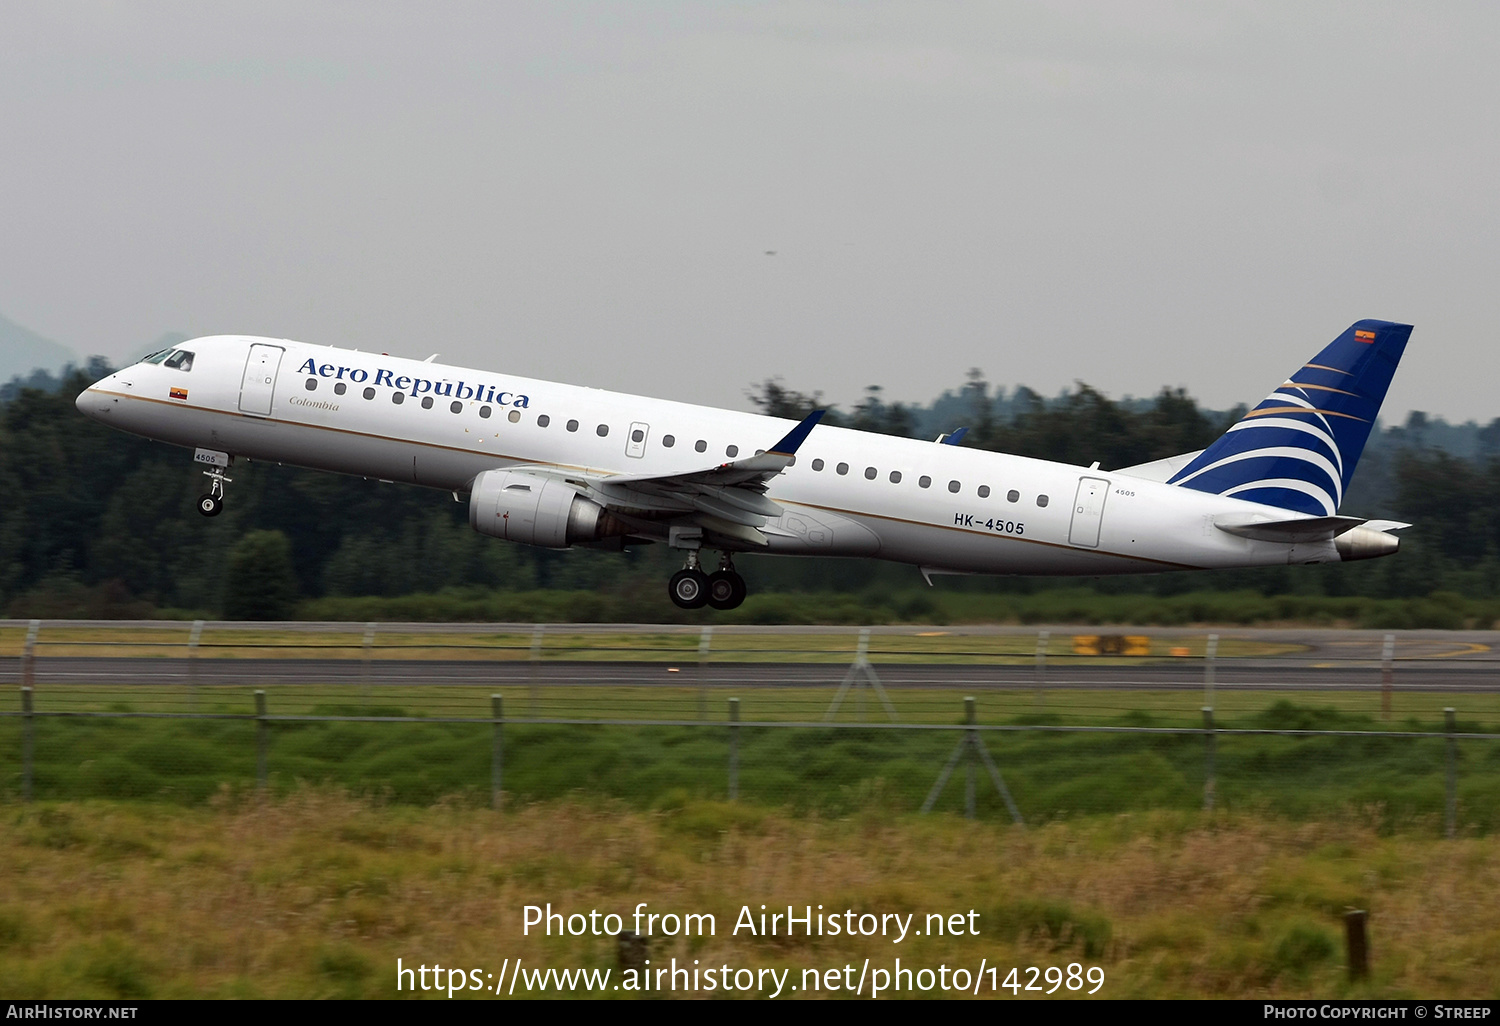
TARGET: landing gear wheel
(726,589)
(688,588)
(210,505)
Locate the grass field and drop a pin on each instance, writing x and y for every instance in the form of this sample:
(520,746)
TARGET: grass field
(1396,782)
(316,894)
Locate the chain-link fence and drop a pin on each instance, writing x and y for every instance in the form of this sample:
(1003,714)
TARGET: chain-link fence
(1006,722)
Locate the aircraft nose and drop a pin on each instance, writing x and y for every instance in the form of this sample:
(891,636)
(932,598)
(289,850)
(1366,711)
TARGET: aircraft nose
(92,403)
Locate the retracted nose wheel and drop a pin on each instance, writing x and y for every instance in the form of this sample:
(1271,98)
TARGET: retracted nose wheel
(688,588)
(210,505)
(726,589)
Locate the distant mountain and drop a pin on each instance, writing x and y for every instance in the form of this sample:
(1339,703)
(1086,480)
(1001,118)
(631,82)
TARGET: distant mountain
(23,351)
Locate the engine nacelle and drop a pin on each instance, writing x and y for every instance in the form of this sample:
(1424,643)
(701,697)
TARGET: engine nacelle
(537,510)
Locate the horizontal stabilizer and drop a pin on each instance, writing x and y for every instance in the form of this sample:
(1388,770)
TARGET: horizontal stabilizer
(1301,529)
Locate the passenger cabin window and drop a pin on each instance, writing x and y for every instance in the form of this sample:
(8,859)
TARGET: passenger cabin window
(668,441)
(817,464)
(954,486)
(339,388)
(870,473)
(984,491)
(895,477)
(637,435)
(427,402)
(180,359)
(484,413)
(572,425)
(370,392)
(455,407)
(732,451)
(1012,496)
(396,397)
(924,481)
(514,416)
(700,445)
(312,384)
(1041,500)
(602,430)
(842,468)
(543,420)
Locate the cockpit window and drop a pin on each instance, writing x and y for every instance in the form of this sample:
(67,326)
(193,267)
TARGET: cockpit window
(180,359)
(157,357)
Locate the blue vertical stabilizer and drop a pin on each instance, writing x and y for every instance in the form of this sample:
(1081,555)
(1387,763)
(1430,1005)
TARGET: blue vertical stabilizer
(1297,450)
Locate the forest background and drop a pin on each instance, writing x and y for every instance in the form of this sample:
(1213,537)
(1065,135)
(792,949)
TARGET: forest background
(95,523)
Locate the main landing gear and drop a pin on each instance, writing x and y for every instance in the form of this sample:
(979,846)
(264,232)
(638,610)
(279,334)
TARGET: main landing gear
(212,503)
(691,588)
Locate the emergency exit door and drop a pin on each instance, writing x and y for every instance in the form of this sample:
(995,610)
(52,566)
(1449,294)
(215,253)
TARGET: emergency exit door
(259,384)
(1088,511)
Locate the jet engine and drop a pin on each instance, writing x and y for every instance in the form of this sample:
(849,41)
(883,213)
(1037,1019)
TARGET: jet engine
(537,510)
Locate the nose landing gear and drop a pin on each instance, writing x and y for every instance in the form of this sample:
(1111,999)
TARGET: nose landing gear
(212,503)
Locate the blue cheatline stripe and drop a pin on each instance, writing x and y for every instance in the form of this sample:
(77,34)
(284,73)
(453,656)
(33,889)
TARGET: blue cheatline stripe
(1326,408)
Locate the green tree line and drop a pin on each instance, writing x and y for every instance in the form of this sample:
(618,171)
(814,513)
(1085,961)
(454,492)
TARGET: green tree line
(94,522)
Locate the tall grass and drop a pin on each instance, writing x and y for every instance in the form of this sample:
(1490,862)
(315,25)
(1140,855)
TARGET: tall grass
(316,894)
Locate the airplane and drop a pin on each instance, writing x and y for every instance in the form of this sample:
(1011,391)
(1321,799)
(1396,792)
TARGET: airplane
(558,465)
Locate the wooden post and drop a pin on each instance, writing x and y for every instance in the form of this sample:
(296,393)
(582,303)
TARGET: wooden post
(1357,943)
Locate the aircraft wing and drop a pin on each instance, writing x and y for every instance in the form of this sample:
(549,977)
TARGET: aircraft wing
(728,500)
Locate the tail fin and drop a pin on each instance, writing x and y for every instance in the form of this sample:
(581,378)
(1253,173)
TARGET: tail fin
(1297,450)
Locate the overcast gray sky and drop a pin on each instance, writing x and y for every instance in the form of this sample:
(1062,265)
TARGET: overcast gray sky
(1131,194)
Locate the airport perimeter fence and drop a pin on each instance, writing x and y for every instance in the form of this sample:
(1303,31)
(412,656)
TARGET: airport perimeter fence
(1018,724)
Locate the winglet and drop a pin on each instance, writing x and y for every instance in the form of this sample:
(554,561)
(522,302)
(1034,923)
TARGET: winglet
(956,437)
(796,436)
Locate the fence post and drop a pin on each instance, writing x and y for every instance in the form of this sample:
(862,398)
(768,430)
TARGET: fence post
(1450,803)
(367,652)
(734,749)
(28,654)
(537,634)
(972,737)
(1357,944)
(262,739)
(193,637)
(497,750)
(705,640)
(28,742)
(1387,657)
(1208,758)
(1210,653)
(1042,637)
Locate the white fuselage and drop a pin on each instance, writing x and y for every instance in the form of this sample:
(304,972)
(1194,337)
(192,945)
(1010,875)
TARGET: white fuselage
(939,506)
